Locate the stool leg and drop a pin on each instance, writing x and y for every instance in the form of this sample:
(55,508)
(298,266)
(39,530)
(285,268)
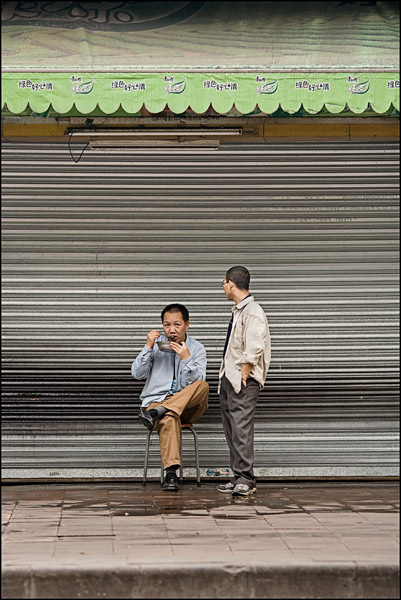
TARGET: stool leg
(181,469)
(161,472)
(145,466)
(198,481)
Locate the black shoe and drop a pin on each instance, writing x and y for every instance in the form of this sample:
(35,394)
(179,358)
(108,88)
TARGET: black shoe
(170,483)
(148,418)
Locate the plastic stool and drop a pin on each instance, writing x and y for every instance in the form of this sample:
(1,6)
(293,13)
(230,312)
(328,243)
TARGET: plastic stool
(184,427)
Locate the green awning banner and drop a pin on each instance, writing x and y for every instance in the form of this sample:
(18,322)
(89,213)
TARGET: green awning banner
(313,91)
(290,56)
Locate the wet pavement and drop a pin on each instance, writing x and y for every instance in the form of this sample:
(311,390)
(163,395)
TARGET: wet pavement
(121,540)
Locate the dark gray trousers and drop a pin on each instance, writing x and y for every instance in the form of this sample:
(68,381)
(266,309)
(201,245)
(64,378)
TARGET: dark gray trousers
(238,412)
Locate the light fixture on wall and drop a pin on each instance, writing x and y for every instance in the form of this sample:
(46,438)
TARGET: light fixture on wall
(146,133)
(155,146)
(112,140)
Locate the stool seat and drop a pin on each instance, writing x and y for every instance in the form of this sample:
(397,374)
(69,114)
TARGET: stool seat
(184,427)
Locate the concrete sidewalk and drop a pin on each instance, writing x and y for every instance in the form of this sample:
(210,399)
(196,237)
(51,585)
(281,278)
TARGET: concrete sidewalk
(120,540)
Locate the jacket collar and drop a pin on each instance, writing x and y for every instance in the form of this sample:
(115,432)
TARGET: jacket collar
(243,303)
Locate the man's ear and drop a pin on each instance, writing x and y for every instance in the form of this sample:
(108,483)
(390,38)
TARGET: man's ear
(186,325)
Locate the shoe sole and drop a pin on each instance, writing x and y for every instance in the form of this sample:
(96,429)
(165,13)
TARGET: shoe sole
(145,422)
(171,489)
(225,491)
(252,491)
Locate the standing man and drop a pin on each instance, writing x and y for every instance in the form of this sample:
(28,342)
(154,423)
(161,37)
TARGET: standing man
(246,359)
(175,391)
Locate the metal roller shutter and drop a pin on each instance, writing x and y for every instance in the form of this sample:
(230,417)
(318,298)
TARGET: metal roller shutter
(93,251)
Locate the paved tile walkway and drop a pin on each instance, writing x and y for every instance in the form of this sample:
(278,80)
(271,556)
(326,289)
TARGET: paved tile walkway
(117,525)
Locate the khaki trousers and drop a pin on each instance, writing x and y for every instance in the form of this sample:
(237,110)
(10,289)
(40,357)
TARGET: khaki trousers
(185,406)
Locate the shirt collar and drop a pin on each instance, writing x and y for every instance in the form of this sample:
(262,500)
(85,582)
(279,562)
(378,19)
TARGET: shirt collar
(243,302)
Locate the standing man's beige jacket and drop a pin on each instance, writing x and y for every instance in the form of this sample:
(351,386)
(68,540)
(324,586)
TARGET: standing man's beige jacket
(249,343)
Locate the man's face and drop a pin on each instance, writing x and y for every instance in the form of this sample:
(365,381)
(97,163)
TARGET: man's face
(228,289)
(174,327)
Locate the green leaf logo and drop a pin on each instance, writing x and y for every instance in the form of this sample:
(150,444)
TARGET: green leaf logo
(268,88)
(360,88)
(176,88)
(85,88)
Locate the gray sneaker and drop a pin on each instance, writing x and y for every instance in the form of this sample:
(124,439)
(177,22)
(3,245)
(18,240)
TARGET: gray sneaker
(242,489)
(226,488)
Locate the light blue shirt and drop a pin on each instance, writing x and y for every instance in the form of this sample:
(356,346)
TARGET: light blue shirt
(158,368)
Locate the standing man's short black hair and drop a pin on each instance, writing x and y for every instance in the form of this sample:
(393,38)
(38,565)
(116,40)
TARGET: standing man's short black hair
(172,308)
(240,276)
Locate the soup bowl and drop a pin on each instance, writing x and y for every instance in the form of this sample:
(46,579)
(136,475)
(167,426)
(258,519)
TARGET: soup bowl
(164,346)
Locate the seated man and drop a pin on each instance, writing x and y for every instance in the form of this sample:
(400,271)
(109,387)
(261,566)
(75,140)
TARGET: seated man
(175,391)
